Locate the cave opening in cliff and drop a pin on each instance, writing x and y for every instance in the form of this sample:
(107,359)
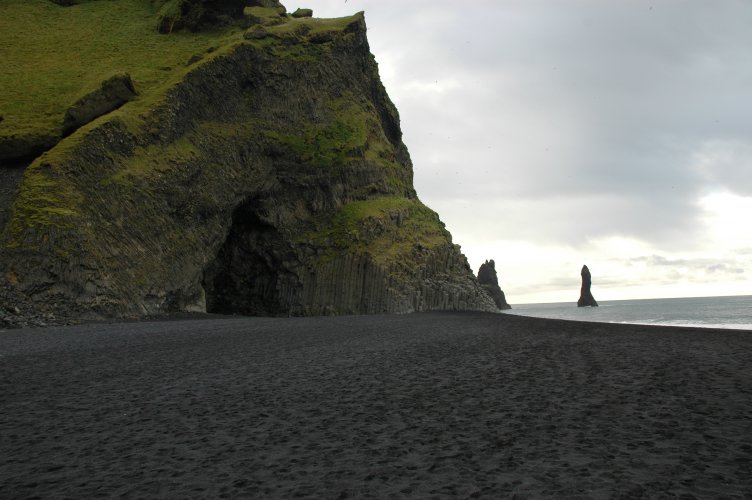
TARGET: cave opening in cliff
(247,273)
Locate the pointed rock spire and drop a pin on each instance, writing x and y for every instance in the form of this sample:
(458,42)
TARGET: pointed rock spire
(586,296)
(490,283)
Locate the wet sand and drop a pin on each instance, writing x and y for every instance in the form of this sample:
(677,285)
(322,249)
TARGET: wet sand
(449,405)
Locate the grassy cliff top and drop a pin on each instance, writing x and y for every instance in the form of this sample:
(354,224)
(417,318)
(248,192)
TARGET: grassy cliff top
(54,55)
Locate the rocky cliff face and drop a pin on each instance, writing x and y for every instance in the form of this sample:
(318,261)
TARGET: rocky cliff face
(269,178)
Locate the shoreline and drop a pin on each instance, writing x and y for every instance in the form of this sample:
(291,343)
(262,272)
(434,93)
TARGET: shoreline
(425,404)
(730,312)
(710,328)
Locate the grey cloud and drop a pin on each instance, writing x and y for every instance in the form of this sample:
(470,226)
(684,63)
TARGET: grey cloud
(572,282)
(699,265)
(723,269)
(573,221)
(658,260)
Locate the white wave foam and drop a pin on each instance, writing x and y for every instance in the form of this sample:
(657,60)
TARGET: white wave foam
(689,324)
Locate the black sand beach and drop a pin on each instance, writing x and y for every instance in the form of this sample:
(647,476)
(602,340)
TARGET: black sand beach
(423,405)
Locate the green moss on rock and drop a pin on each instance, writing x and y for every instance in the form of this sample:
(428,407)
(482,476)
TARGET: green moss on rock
(389,229)
(335,141)
(302,13)
(43,202)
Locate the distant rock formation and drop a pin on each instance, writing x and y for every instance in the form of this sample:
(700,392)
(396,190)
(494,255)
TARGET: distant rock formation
(586,296)
(490,283)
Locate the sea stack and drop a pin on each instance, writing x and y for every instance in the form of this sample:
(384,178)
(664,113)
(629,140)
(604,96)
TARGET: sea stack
(586,296)
(490,283)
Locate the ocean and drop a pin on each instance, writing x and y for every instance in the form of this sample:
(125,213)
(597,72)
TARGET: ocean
(706,312)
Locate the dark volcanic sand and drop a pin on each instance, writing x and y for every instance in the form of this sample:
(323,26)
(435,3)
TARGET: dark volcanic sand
(439,404)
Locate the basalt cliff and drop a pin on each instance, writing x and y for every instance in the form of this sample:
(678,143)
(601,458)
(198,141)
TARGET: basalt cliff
(226,156)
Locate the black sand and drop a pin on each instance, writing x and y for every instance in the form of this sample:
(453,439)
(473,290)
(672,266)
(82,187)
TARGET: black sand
(440,404)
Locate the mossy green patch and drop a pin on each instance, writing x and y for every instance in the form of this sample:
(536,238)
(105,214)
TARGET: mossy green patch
(333,142)
(299,52)
(311,26)
(391,229)
(261,12)
(153,159)
(42,202)
(156,159)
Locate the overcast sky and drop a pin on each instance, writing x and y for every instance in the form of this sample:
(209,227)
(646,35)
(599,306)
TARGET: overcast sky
(549,134)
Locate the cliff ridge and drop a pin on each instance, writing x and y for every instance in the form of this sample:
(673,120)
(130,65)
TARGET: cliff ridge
(266,175)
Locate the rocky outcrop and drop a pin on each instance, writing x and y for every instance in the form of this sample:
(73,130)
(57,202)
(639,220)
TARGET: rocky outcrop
(490,282)
(302,13)
(111,94)
(270,179)
(586,297)
(193,15)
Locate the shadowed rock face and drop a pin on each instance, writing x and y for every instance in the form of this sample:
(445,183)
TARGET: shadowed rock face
(193,15)
(490,283)
(271,179)
(586,297)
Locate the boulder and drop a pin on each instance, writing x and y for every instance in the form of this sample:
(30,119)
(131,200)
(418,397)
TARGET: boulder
(255,32)
(303,13)
(489,281)
(586,296)
(113,93)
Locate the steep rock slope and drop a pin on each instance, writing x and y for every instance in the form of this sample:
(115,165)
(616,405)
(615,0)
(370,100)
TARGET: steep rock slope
(269,177)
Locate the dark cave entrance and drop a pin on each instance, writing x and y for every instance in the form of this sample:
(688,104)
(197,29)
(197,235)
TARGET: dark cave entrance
(249,273)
